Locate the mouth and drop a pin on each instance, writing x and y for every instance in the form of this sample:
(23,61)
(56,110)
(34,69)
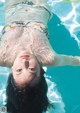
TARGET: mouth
(25,56)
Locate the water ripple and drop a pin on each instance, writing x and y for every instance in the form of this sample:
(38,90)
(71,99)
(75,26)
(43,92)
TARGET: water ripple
(69,14)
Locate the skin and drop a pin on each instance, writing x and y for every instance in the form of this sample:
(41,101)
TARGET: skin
(26,69)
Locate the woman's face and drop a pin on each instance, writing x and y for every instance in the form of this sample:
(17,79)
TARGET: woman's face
(26,70)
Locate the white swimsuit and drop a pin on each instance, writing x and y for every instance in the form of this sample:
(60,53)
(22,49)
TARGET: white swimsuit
(27,12)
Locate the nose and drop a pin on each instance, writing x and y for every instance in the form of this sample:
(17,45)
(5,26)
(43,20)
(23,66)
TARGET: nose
(26,64)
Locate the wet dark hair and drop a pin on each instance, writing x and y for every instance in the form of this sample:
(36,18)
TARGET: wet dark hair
(28,99)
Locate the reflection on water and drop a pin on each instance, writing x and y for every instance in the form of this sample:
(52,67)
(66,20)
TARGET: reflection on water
(69,13)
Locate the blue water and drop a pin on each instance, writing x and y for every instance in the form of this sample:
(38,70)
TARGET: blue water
(67,78)
(64,38)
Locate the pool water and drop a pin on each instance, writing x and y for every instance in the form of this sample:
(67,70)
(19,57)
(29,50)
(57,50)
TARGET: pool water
(63,82)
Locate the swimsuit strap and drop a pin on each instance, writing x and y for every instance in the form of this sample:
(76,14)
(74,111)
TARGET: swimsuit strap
(27,2)
(35,25)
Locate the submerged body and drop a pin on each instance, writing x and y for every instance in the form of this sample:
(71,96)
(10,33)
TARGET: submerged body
(24,47)
(26,30)
(31,37)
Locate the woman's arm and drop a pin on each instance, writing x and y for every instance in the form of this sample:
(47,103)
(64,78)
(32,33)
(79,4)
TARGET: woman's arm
(62,60)
(47,55)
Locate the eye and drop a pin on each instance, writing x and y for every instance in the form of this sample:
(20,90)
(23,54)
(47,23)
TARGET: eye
(32,69)
(19,70)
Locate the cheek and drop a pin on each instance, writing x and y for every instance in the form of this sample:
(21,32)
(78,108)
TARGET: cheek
(33,63)
(35,81)
(16,64)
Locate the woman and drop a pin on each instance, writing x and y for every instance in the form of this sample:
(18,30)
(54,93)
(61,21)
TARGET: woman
(25,46)
(26,32)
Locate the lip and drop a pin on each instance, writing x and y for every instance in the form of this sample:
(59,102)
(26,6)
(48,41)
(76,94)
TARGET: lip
(25,56)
